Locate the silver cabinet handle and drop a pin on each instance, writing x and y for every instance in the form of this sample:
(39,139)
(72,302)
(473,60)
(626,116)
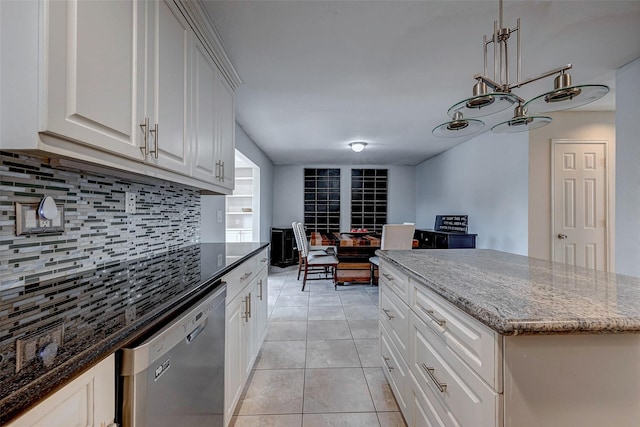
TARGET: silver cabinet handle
(562,236)
(433,317)
(430,371)
(260,286)
(156,134)
(145,132)
(246,275)
(249,304)
(264,260)
(387,313)
(388,277)
(222,173)
(386,362)
(218,169)
(245,314)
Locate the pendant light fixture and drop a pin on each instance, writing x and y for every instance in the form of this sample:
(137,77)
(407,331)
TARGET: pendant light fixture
(494,94)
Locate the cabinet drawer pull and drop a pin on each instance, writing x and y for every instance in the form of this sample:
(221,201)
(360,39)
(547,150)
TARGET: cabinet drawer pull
(246,275)
(260,286)
(386,362)
(145,132)
(430,371)
(388,277)
(386,311)
(222,173)
(433,317)
(263,260)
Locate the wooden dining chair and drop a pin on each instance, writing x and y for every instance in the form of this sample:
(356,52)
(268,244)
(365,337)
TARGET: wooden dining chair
(394,236)
(301,240)
(317,263)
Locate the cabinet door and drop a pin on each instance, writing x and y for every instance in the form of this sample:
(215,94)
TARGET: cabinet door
(94,90)
(261,310)
(235,347)
(250,350)
(204,124)
(87,401)
(225,142)
(169,65)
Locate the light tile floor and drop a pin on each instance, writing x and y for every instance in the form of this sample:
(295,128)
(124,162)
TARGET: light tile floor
(318,366)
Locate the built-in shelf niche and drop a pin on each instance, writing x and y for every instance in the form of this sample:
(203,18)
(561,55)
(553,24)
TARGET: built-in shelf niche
(241,207)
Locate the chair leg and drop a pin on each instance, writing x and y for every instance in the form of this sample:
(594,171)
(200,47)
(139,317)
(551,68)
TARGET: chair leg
(304,279)
(299,265)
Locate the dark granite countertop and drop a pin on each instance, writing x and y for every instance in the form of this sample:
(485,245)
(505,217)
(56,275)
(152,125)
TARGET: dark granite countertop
(514,294)
(102,310)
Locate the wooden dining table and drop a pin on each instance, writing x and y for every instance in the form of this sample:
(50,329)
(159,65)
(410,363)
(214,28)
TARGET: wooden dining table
(353,252)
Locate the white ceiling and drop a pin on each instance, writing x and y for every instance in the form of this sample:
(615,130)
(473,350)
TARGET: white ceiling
(320,74)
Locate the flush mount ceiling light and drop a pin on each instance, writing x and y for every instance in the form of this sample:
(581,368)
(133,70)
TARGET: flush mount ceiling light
(357,146)
(492,95)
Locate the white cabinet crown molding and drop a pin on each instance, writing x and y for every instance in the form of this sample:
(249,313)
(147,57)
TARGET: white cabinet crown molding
(210,38)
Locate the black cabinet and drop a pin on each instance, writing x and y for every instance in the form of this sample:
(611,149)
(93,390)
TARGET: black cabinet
(430,239)
(283,248)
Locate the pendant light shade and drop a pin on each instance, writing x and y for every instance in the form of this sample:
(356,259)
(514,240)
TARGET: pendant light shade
(458,127)
(484,105)
(521,122)
(564,96)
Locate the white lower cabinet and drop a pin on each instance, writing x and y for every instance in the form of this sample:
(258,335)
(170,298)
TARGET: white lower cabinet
(462,373)
(395,369)
(460,394)
(87,401)
(246,324)
(422,409)
(441,364)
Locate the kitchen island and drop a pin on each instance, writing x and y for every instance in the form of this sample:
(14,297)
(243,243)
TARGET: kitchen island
(99,311)
(481,337)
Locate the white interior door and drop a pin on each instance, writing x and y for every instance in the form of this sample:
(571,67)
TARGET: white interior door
(580,203)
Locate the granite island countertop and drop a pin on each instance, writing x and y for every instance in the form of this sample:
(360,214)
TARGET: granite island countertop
(514,294)
(102,310)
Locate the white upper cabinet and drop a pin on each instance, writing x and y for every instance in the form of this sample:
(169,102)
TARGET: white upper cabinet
(168,65)
(226,133)
(94,86)
(205,76)
(142,86)
(214,121)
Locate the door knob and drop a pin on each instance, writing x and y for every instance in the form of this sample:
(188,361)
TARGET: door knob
(562,236)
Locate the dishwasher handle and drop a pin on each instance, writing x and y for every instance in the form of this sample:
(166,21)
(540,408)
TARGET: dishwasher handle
(194,334)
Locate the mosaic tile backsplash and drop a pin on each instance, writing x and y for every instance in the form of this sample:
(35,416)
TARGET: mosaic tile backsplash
(97,229)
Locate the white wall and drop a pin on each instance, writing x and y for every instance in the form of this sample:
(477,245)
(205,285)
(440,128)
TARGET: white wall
(289,193)
(628,169)
(485,178)
(211,230)
(246,146)
(577,125)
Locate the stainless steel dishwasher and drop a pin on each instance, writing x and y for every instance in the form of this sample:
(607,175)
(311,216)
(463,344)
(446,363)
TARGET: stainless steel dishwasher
(176,377)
